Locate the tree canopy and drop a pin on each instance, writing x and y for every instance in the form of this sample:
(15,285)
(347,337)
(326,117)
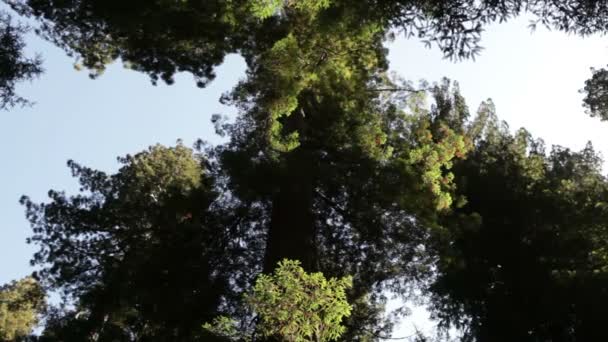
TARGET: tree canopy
(14,65)
(21,304)
(332,163)
(196,222)
(524,258)
(145,247)
(517,253)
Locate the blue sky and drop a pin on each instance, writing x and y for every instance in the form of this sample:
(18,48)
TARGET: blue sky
(533,79)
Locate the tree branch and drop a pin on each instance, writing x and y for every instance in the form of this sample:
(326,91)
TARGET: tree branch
(399,89)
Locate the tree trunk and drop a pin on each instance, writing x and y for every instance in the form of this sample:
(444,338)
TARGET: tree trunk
(292,233)
(292,230)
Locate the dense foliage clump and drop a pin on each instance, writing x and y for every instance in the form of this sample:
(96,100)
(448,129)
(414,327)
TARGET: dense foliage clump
(14,65)
(21,304)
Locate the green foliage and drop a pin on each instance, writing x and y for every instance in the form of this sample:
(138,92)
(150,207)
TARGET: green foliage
(298,306)
(523,259)
(596,94)
(14,66)
(224,327)
(160,172)
(139,251)
(316,57)
(265,8)
(363,195)
(189,35)
(157,37)
(425,142)
(435,155)
(21,304)
(294,306)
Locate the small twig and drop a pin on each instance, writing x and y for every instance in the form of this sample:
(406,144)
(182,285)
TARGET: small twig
(397,89)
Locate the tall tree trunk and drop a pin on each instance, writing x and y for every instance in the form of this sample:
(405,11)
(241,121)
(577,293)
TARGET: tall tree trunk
(292,230)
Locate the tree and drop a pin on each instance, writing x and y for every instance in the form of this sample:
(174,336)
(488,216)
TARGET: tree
(524,258)
(168,216)
(21,304)
(292,305)
(147,253)
(298,306)
(596,95)
(14,66)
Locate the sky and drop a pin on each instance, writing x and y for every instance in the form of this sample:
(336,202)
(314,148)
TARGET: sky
(533,78)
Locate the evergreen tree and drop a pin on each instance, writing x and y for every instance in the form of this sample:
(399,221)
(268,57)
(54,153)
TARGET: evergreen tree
(525,258)
(14,66)
(199,227)
(147,253)
(21,304)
